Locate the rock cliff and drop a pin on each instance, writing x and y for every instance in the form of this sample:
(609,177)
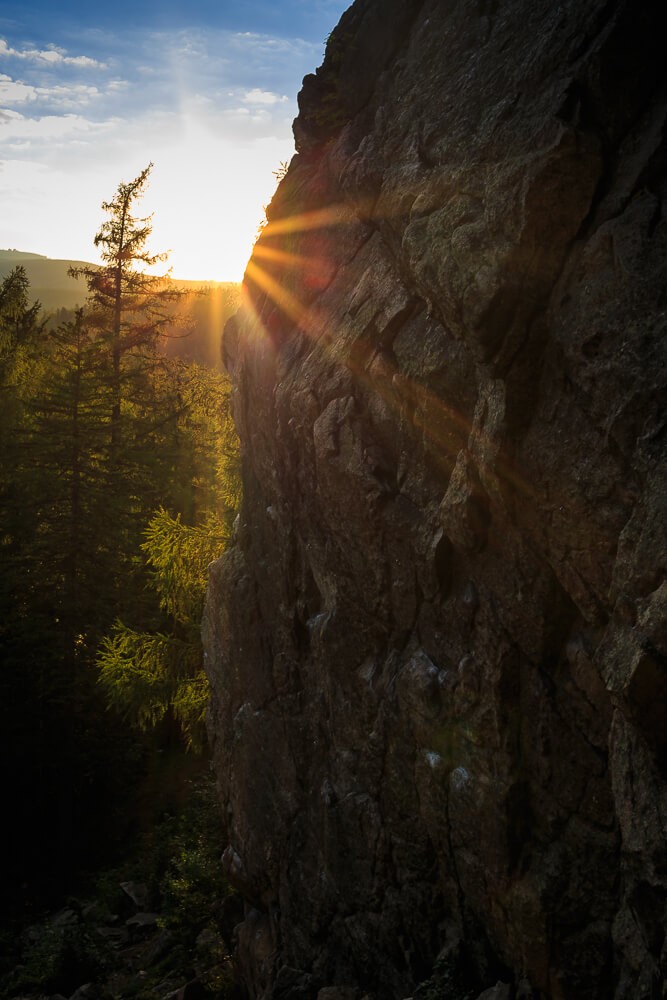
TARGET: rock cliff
(438,643)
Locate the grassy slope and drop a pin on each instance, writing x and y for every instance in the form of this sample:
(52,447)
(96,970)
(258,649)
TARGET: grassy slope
(51,284)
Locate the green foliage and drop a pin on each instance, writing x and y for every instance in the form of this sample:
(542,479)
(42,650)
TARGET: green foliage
(192,885)
(141,672)
(20,329)
(179,861)
(100,437)
(125,298)
(446,982)
(19,321)
(147,674)
(54,726)
(58,956)
(281,172)
(177,858)
(179,556)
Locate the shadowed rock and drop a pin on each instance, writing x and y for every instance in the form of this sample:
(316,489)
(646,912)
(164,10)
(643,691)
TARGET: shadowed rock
(438,642)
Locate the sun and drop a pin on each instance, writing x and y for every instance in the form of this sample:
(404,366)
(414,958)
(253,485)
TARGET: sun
(207,195)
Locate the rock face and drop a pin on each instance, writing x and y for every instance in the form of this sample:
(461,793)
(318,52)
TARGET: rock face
(438,643)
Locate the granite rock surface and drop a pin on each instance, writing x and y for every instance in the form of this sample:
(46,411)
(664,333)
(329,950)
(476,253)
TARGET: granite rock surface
(438,642)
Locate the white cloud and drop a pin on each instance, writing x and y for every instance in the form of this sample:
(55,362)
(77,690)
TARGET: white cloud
(210,180)
(66,96)
(264,97)
(14,126)
(52,56)
(208,108)
(15,92)
(75,96)
(246,123)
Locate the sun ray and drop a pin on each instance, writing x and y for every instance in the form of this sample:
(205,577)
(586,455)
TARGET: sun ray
(446,430)
(337,214)
(321,218)
(278,294)
(288,259)
(396,390)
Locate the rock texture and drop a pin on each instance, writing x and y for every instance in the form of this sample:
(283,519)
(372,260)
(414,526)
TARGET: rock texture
(438,643)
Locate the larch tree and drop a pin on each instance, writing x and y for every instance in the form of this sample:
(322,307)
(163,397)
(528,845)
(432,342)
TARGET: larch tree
(151,672)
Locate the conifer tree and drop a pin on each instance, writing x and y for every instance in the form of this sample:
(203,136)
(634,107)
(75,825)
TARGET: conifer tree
(69,425)
(21,328)
(127,311)
(126,302)
(18,320)
(150,672)
(105,444)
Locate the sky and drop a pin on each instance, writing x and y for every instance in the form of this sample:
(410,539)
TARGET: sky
(204,89)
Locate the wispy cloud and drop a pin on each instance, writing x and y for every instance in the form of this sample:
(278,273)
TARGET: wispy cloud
(15,126)
(51,56)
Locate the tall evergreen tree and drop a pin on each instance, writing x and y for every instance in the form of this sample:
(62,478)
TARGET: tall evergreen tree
(68,444)
(18,319)
(100,437)
(21,326)
(126,302)
(128,309)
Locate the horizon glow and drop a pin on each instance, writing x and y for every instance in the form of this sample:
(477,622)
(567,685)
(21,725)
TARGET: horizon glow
(205,93)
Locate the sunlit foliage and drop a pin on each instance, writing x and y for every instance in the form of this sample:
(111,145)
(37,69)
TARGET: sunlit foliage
(118,482)
(148,674)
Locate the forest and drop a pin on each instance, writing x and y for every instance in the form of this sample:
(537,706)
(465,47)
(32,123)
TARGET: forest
(119,486)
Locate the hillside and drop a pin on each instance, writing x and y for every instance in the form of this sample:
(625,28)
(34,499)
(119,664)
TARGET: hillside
(51,284)
(55,289)
(48,277)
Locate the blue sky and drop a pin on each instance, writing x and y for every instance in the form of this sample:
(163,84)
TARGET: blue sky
(205,89)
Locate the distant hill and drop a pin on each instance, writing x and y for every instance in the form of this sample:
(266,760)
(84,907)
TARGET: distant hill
(21,255)
(56,290)
(49,280)
(51,284)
